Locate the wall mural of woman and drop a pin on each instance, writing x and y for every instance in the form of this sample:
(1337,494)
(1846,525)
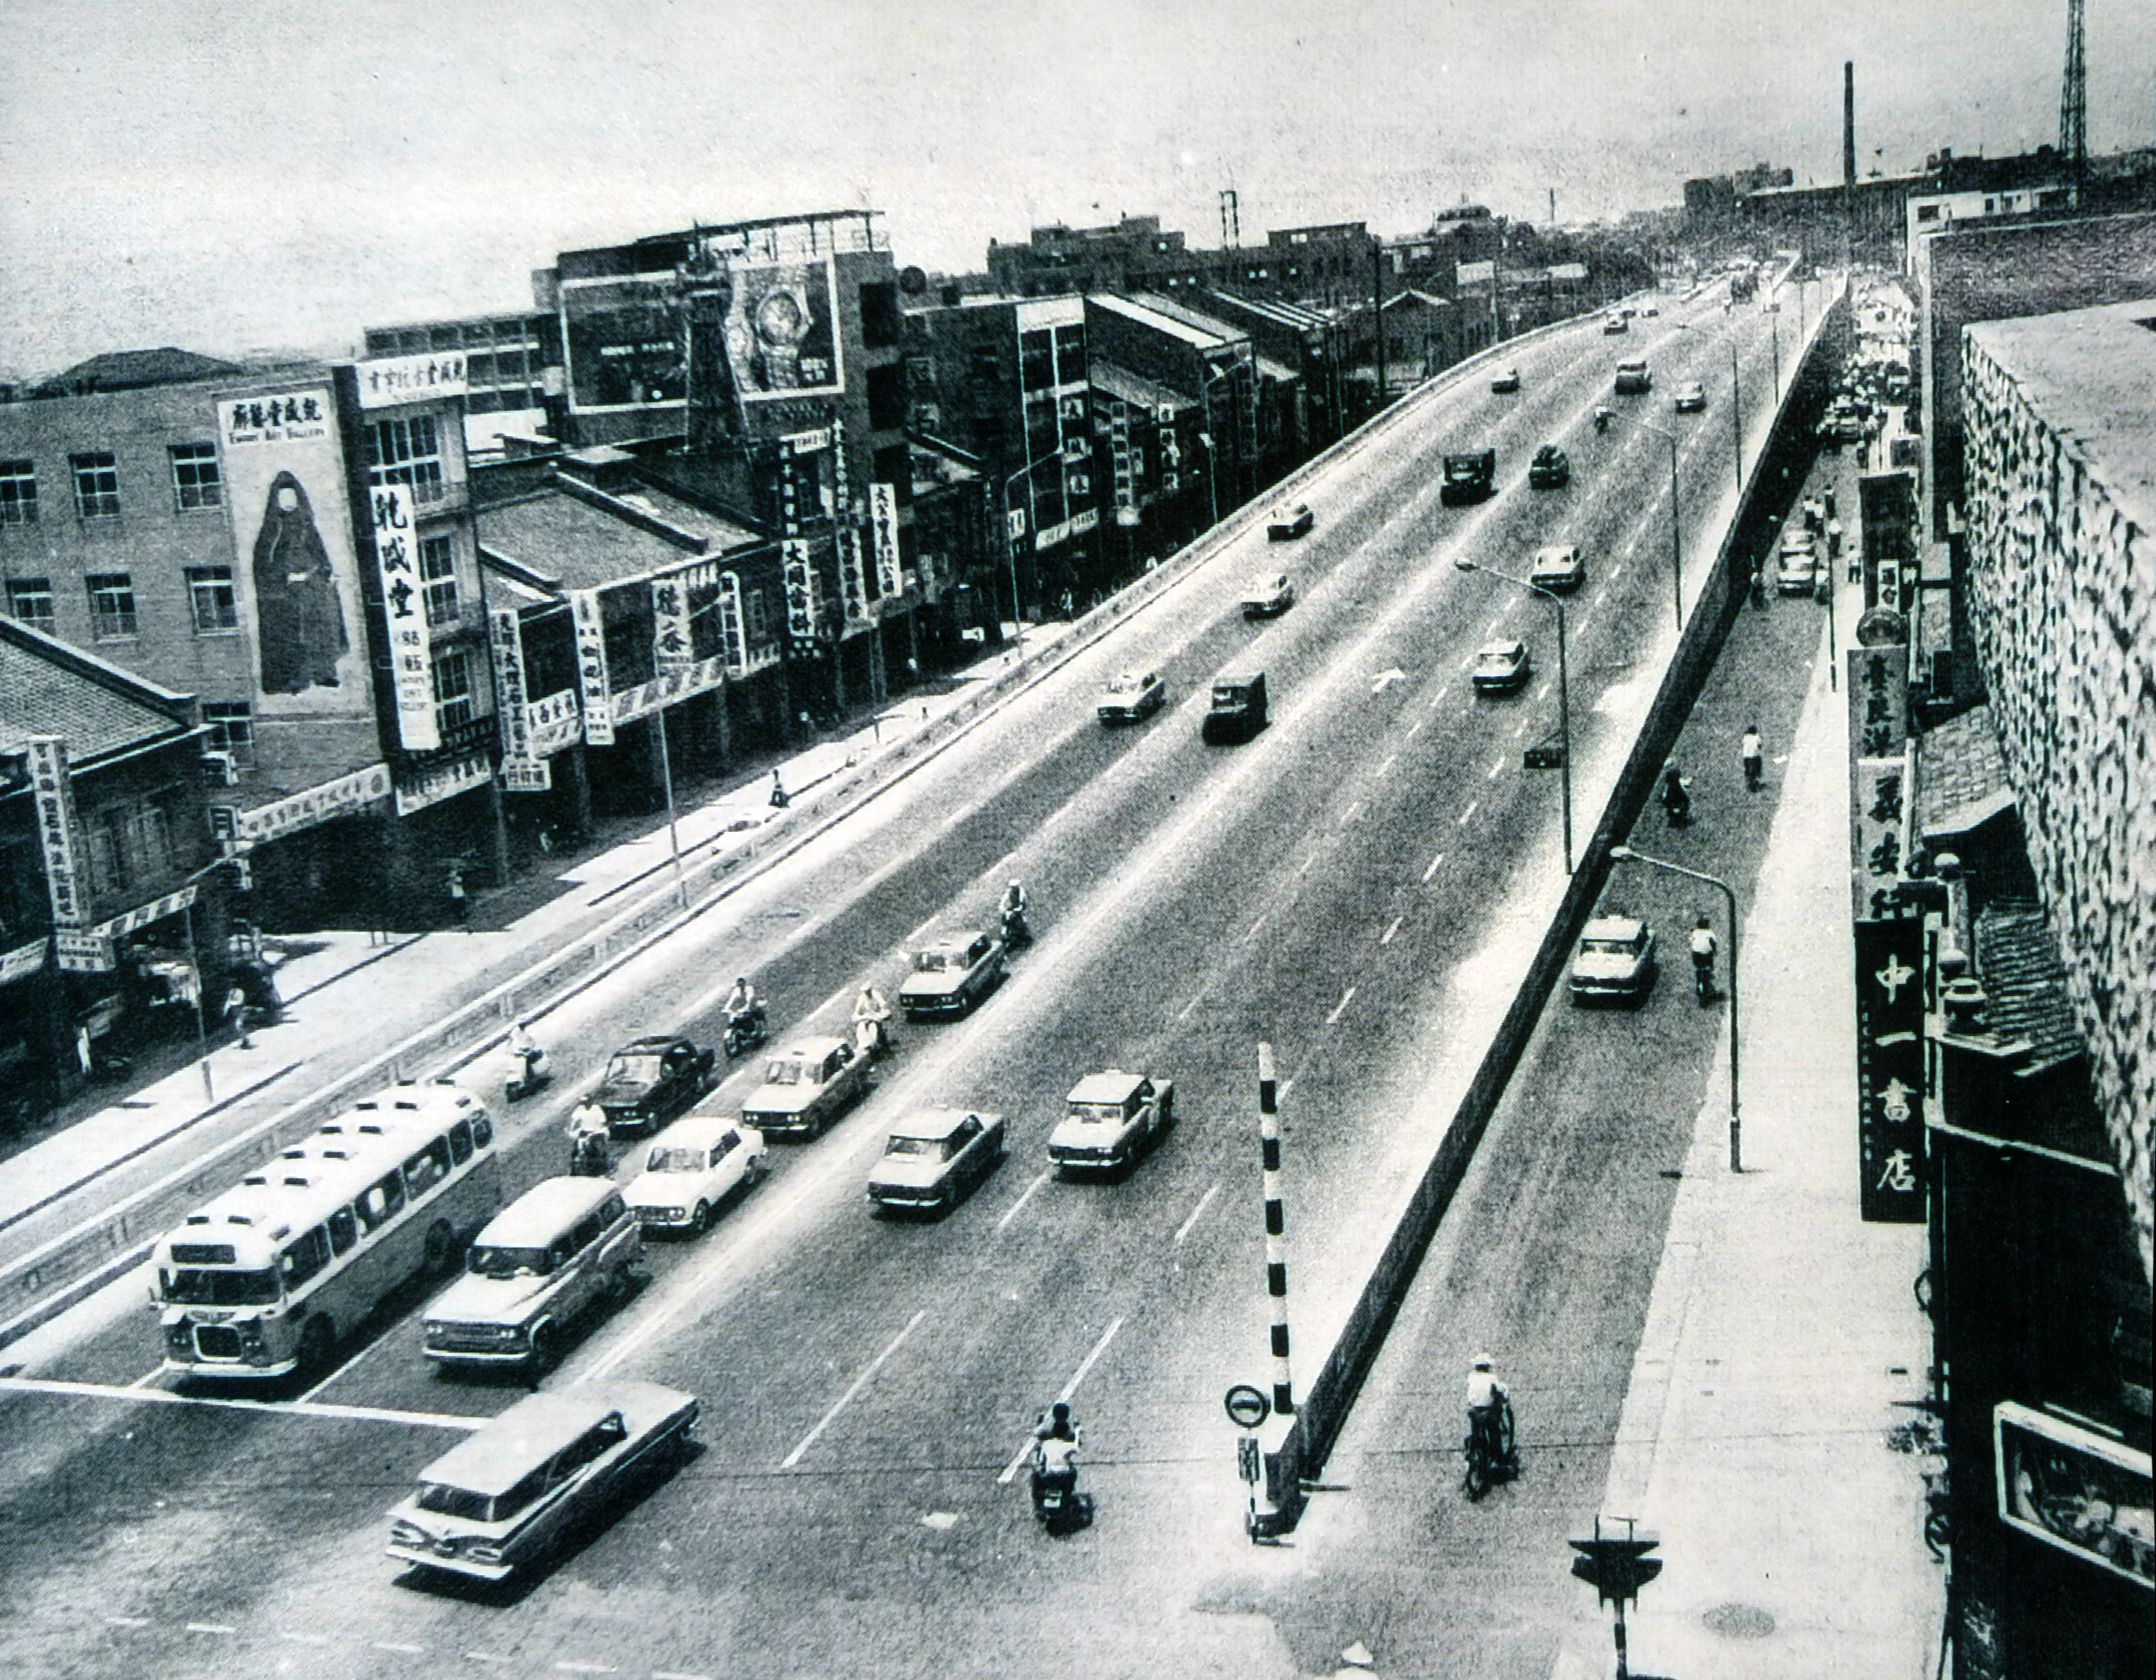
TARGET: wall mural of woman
(299,616)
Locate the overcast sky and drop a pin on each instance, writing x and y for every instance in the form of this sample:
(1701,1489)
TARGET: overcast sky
(254,173)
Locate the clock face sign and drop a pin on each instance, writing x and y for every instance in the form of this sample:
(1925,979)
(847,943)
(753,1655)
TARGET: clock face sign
(782,330)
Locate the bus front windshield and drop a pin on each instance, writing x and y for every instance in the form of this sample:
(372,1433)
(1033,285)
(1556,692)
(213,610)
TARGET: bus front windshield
(204,1286)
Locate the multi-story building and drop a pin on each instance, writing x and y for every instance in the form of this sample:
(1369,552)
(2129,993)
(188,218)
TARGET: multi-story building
(112,908)
(2030,975)
(1201,358)
(1134,251)
(293,547)
(1309,342)
(512,371)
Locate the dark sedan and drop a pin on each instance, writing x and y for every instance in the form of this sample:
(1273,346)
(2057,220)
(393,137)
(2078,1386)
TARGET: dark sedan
(650,1080)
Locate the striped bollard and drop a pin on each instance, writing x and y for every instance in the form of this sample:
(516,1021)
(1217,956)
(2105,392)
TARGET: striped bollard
(1276,1252)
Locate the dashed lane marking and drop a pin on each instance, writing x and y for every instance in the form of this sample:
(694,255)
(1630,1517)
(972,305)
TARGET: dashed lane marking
(283,1408)
(1183,1014)
(1415,728)
(1024,1196)
(1100,1347)
(316,1640)
(567,1667)
(1432,870)
(401,1650)
(1496,764)
(1205,1201)
(676,1674)
(1340,1008)
(210,1627)
(127,1621)
(1470,811)
(1385,938)
(844,1400)
(1390,760)
(1307,862)
(1438,699)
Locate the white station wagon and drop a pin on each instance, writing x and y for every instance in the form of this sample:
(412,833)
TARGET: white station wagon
(691,1171)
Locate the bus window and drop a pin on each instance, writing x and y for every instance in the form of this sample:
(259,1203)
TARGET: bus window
(482,1129)
(343,1230)
(460,1142)
(426,1169)
(380,1202)
(304,1257)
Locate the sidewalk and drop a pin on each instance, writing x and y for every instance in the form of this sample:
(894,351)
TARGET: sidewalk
(1782,1340)
(349,994)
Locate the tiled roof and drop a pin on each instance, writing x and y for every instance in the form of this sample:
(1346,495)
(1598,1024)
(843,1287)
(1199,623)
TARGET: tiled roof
(131,370)
(722,533)
(560,536)
(1961,775)
(49,688)
(1177,310)
(2017,959)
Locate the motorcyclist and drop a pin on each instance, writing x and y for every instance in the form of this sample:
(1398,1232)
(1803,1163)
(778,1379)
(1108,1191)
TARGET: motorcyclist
(1603,417)
(744,1009)
(1057,1423)
(1055,1452)
(524,1049)
(1703,949)
(1013,912)
(1487,1399)
(589,1154)
(1754,758)
(871,1021)
(1676,798)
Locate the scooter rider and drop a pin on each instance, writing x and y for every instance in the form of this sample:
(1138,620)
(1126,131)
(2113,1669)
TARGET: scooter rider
(529,1057)
(744,1009)
(871,1021)
(1676,799)
(1013,911)
(1703,950)
(589,1154)
(1057,1424)
(1055,1451)
(1487,1399)
(1603,417)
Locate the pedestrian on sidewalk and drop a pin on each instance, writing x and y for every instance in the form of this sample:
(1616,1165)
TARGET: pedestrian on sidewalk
(460,901)
(235,1013)
(1754,759)
(1759,582)
(778,791)
(1703,949)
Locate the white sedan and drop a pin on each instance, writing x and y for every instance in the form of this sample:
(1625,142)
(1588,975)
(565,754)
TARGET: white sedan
(692,1170)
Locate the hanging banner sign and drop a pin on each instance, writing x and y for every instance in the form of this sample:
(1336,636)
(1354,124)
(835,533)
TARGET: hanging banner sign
(317,804)
(411,643)
(883,521)
(591,667)
(853,574)
(733,633)
(1890,1070)
(21,962)
(799,571)
(389,380)
(670,649)
(442,781)
(79,951)
(554,721)
(633,703)
(55,796)
(520,771)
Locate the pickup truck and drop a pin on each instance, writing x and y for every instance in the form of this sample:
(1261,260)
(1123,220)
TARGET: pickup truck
(1469,477)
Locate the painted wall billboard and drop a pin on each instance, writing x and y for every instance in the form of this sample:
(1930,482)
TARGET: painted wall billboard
(284,486)
(625,342)
(782,330)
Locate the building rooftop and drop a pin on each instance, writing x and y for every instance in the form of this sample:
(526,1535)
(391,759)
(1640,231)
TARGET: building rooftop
(50,688)
(1146,312)
(1287,314)
(1961,778)
(568,535)
(2091,374)
(937,464)
(1223,332)
(2017,959)
(1135,388)
(131,370)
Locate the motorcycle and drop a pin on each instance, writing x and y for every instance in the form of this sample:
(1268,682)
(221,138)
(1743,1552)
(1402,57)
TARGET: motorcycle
(1017,934)
(590,1156)
(872,1037)
(1703,979)
(1603,417)
(1056,1499)
(746,1032)
(1676,802)
(529,1076)
(1491,1451)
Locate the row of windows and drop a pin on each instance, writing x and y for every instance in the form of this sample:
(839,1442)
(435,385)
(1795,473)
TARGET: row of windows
(212,597)
(196,483)
(407,451)
(382,1201)
(128,843)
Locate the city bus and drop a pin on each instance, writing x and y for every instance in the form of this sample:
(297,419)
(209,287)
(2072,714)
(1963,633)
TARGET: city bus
(264,1280)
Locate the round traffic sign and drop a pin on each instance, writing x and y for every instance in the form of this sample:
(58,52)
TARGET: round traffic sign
(1247,1406)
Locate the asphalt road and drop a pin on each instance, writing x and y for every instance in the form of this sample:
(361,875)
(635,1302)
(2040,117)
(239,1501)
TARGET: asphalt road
(1336,886)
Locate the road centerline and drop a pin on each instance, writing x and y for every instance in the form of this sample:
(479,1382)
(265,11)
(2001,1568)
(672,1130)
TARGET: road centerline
(1100,1347)
(1024,1196)
(853,1388)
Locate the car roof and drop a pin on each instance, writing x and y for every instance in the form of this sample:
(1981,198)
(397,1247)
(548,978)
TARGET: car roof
(698,1131)
(953,939)
(810,1049)
(502,1451)
(1499,649)
(539,1214)
(1557,551)
(651,1041)
(1240,677)
(1612,927)
(935,1122)
(1110,1085)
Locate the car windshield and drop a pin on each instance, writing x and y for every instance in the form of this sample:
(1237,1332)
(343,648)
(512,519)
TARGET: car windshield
(910,1146)
(1606,947)
(674,1160)
(446,1501)
(490,1260)
(1498,656)
(935,962)
(1111,1113)
(194,1286)
(642,1066)
(1126,684)
(785,1070)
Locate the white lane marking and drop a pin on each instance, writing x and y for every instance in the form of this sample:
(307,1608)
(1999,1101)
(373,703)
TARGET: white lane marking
(1520,728)
(1289,1086)
(209,1627)
(316,1640)
(1470,811)
(566,1667)
(1352,812)
(1386,937)
(1010,1213)
(1340,1008)
(1100,1347)
(283,1408)
(150,1376)
(1251,932)
(1432,870)
(1439,698)
(844,1400)
(127,1621)
(1496,764)
(1415,728)
(676,1674)
(1307,862)
(1390,760)
(1496,618)
(1183,1014)
(401,1650)
(1205,1201)
(1543,693)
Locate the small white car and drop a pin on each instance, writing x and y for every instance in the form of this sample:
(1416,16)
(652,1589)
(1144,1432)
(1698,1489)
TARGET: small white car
(1270,597)
(1289,523)
(692,1171)
(935,1159)
(807,1086)
(1132,697)
(1558,568)
(1501,667)
(1506,382)
(1110,1120)
(1691,397)
(1615,961)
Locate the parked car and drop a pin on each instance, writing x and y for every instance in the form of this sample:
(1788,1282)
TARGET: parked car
(652,1079)
(1269,597)
(1633,378)
(807,1086)
(1111,1119)
(1132,696)
(1288,523)
(692,1172)
(952,975)
(1558,567)
(563,1247)
(1470,475)
(936,1159)
(1615,960)
(1551,468)
(1651,310)
(1501,667)
(514,1487)
(1691,397)
(1798,572)
(1506,382)
(1237,710)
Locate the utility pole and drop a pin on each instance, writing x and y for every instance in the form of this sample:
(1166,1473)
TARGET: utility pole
(1377,309)
(2074,105)
(1276,1250)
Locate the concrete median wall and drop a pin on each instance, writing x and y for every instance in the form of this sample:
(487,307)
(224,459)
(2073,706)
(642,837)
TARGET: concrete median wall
(1304,1446)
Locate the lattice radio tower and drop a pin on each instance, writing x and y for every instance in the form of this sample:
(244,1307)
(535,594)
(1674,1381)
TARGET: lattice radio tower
(2074,104)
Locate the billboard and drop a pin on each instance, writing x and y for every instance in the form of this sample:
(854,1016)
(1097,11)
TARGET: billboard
(1890,968)
(782,330)
(411,643)
(625,342)
(285,489)
(2072,1488)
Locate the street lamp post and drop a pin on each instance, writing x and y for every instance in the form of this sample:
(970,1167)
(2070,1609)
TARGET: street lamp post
(1625,854)
(1564,693)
